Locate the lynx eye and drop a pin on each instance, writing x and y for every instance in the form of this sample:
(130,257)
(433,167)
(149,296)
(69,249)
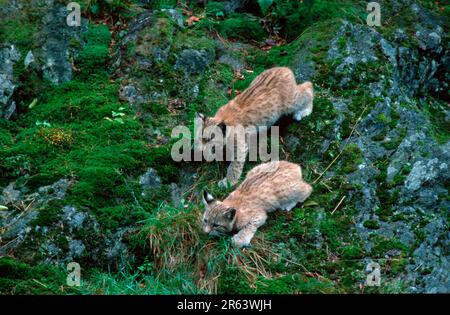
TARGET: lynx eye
(205,221)
(215,225)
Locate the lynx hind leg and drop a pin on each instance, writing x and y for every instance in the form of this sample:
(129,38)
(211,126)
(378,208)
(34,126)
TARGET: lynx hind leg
(304,101)
(304,191)
(288,207)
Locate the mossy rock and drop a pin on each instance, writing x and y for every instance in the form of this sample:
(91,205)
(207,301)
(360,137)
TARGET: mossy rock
(19,278)
(242,26)
(350,158)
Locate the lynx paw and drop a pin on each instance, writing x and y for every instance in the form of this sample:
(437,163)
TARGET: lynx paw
(290,206)
(302,113)
(239,242)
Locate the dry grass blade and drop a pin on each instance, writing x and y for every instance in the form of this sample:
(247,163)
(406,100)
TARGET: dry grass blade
(337,206)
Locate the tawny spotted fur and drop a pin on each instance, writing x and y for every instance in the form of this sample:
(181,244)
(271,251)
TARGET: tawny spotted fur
(272,94)
(267,187)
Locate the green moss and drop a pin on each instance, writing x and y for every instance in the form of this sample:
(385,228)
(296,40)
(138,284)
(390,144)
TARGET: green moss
(233,281)
(157,109)
(212,94)
(392,144)
(92,58)
(352,252)
(18,31)
(163,4)
(387,200)
(114,217)
(62,243)
(5,137)
(48,215)
(116,9)
(350,158)
(19,278)
(383,245)
(294,17)
(381,136)
(95,53)
(97,35)
(161,160)
(241,26)
(371,224)
(436,111)
(398,265)
(192,39)
(100,151)
(381,118)
(293,284)
(215,9)
(395,117)
(385,212)
(154,38)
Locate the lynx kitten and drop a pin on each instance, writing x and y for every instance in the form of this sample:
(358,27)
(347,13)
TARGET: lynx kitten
(272,94)
(267,187)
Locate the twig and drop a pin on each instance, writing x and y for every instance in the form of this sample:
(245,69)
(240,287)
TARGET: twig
(224,42)
(342,199)
(417,268)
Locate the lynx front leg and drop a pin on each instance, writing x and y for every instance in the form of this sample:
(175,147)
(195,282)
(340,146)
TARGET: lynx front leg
(244,236)
(303,113)
(236,166)
(234,172)
(304,101)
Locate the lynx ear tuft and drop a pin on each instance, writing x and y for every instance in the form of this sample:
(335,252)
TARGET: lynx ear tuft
(230,214)
(207,198)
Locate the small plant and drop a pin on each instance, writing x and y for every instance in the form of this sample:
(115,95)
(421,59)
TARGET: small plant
(117,116)
(371,224)
(57,137)
(43,123)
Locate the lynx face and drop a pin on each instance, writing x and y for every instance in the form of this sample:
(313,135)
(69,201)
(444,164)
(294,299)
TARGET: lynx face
(218,219)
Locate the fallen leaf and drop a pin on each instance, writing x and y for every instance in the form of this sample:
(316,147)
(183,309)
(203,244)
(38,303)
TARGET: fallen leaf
(33,103)
(310,204)
(192,20)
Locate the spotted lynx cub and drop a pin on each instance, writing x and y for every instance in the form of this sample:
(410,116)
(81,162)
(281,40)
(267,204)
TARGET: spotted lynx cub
(272,94)
(267,187)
